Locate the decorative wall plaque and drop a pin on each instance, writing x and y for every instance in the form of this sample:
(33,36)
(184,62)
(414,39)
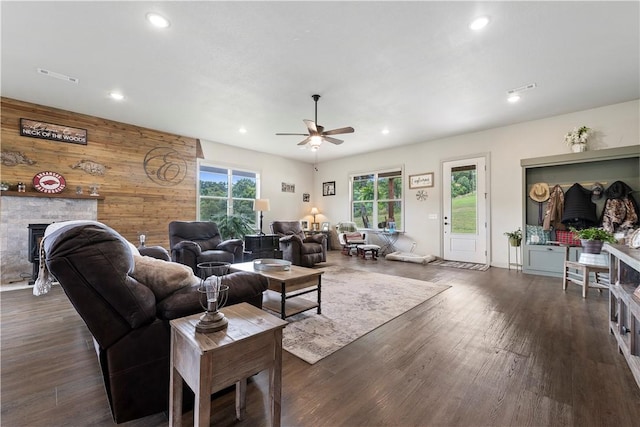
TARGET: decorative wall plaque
(53,132)
(49,182)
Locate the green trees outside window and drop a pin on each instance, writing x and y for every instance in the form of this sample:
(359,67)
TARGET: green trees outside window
(376,199)
(227,193)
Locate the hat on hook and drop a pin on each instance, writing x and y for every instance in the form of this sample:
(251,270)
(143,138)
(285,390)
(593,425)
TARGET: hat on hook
(597,190)
(539,192)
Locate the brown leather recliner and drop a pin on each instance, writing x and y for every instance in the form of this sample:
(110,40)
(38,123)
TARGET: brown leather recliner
(295,247)
(194,242)
(129,325)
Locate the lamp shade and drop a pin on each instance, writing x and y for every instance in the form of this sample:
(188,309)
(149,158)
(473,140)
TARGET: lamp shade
(314,211)
(261,205)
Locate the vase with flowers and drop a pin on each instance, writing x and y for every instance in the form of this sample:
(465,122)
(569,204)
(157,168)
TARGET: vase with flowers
(577,139)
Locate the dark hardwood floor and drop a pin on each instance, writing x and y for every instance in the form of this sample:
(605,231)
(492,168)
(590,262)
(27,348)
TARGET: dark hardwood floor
(499,348)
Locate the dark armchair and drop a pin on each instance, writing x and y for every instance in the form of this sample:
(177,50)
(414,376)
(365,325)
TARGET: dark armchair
(193,242)
(295,247)
(128,319)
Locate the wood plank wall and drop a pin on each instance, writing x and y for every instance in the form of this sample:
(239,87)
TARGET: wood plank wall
(133,202)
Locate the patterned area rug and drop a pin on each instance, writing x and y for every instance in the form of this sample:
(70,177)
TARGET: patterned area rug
(458,264)
(351,307)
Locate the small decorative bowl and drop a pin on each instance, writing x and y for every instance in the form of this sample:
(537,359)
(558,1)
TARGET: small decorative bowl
(4,186)
(271,264)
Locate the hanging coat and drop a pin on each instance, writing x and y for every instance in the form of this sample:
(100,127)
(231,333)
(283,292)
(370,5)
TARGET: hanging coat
(555,207)
(620,211)
(579,210)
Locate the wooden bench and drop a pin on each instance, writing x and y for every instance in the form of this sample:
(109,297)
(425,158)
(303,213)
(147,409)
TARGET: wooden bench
(582,276)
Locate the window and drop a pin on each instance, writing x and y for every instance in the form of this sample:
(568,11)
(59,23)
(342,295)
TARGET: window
(224,192)
(376,199)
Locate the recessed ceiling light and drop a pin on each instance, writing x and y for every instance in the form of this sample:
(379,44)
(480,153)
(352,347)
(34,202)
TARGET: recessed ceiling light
(513,98)
(117,96)
(385,131)
(479,23)
(158,20)
(242,130)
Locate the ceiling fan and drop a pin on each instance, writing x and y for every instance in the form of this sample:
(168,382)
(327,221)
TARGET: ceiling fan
(317,134)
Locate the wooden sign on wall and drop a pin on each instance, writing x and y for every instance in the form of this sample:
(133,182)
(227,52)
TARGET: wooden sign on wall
(50,131)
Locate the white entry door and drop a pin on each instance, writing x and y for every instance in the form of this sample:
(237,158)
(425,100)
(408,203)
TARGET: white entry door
(465,210)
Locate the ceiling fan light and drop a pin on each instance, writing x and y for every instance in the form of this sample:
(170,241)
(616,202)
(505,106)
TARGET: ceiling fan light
(315,142)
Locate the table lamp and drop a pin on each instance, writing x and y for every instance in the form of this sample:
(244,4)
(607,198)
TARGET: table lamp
(314,212)
(261,205)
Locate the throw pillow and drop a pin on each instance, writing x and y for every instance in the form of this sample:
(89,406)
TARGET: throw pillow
(536,235)
(162,277)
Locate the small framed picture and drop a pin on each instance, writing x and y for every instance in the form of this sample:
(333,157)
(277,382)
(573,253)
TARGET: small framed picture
(306,197)
(288,188)
(325,226)
(316,226)
(329,188)
(422,180)
(304,224)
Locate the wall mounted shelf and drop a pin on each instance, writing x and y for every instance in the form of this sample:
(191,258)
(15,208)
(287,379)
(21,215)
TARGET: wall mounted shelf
(62,195)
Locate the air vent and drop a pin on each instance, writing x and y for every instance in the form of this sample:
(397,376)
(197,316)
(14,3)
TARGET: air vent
(522,88)
(58,75)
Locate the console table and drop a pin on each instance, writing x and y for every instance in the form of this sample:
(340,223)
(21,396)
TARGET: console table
(388,239)
(624,303)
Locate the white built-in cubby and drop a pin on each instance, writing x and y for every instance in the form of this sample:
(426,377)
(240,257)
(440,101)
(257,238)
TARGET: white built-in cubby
(603,166)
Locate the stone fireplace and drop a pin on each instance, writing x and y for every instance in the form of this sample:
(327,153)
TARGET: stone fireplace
(17,212)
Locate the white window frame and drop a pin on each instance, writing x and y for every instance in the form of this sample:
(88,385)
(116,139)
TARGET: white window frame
(229,198)
(374,220)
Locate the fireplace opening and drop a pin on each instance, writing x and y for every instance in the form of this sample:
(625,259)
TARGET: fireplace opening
(36,233)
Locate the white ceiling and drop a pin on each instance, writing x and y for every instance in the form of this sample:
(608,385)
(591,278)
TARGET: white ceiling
(412,67)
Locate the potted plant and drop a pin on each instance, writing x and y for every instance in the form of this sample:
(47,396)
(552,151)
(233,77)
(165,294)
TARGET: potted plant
(233,226)
(577,139)
(515,237)
(593,238)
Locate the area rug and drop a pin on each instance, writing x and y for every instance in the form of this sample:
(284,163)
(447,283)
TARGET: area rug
(458,264)
(354,302)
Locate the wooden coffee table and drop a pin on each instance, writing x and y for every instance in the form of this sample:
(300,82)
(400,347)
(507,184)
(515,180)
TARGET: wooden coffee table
(285,286)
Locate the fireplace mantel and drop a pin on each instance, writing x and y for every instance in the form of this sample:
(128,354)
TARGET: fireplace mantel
(50,195)
(18,210)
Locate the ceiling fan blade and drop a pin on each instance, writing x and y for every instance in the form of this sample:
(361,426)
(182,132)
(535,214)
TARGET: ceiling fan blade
(297,134)
(311,125)
(332,140)
(305,141)
(348,129)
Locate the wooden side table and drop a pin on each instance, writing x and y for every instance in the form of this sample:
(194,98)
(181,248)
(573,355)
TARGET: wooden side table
(252,342)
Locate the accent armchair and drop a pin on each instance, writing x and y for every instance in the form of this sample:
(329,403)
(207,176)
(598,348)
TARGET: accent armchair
(350,237)
(295,247)
(193,242)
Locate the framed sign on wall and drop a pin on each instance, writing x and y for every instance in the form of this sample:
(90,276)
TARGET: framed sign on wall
(422,180)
